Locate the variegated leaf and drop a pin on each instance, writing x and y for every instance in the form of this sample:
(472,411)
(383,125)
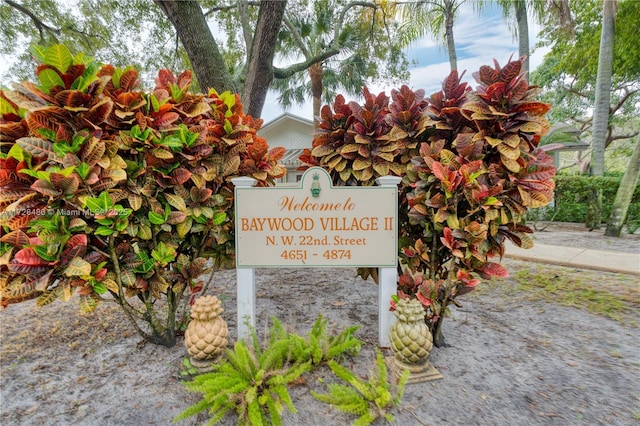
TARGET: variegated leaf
(175,201)
(509,152)
(341,165)
(162,154)
(345,174)
(36,147)
(59,57)
(381,168)
(510,164)
(110,284)
(128,278)
(144,232)
(260,175)
(174,218)
(493,141)
(115,175)
(530,127)
(46,298)
(64,290)
(198,181)
(231,166)
(367,174)
(92,151)
(184,227)
(512,139)
(322,150)
(361,164)
(16,238)
(87,303)
(352,147)
(135,201)
(77,267)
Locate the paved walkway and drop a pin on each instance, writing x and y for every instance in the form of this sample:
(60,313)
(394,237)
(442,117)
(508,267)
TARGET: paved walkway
(610,261)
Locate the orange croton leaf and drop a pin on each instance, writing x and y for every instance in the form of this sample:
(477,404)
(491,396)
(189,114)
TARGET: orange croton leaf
(423,299)
(466,278)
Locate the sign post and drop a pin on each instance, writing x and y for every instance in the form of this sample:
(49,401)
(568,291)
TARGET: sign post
(316,225)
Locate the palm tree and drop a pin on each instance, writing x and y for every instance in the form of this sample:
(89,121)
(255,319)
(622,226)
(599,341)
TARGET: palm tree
(518,11)
(603,88)
(360,38)
(434,17)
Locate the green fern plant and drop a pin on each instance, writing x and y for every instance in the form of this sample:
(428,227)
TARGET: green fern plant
(321,345)
(251,381)
(368,399)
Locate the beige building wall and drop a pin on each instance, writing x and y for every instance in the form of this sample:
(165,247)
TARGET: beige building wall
(293,133)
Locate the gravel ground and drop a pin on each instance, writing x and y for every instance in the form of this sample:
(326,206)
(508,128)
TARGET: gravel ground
(510,360)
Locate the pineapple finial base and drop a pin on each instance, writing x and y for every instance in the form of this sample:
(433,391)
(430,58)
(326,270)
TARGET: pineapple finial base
(418,373)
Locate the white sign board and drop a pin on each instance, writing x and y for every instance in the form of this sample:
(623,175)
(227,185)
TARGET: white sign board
(316,224)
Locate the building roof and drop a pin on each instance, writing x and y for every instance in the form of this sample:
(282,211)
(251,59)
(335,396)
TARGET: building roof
(290,158)
(285,117)
(288,131)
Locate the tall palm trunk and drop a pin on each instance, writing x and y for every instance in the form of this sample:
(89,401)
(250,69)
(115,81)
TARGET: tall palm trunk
(603,88)
(451,45)
(315,75)
(601,108)
(523,32)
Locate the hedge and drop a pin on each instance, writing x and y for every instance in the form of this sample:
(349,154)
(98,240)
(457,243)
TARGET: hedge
(571,199)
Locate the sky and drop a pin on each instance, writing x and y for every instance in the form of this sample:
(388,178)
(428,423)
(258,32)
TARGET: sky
(479,39)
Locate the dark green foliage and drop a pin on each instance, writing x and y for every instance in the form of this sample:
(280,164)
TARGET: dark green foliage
(253,381)
(369,399)
(572,195)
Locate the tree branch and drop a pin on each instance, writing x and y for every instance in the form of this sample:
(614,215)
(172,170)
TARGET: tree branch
(301,66)
(55,32)
(627,136)
(333,49)
(296,36)
(228,7)
(244,23)
(622,100)
(41,26)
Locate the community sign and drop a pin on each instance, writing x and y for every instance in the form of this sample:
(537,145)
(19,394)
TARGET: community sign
(316,224)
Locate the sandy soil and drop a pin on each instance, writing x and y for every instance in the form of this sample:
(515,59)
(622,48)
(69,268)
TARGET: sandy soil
(511,361)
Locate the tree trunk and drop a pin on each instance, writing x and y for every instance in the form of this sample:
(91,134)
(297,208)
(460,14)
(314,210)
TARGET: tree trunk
(436,333)
(451,44)
(523,32)
(593,216)
(260,72)
(603,88)
(192,29)
(624,195)
(601,109)
(315,75)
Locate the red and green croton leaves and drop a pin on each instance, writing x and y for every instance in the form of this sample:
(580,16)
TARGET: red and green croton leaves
(471,168)
(93,169)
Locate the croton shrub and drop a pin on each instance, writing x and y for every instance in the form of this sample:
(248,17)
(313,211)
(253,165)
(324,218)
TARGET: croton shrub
(471,168)
(115,193)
